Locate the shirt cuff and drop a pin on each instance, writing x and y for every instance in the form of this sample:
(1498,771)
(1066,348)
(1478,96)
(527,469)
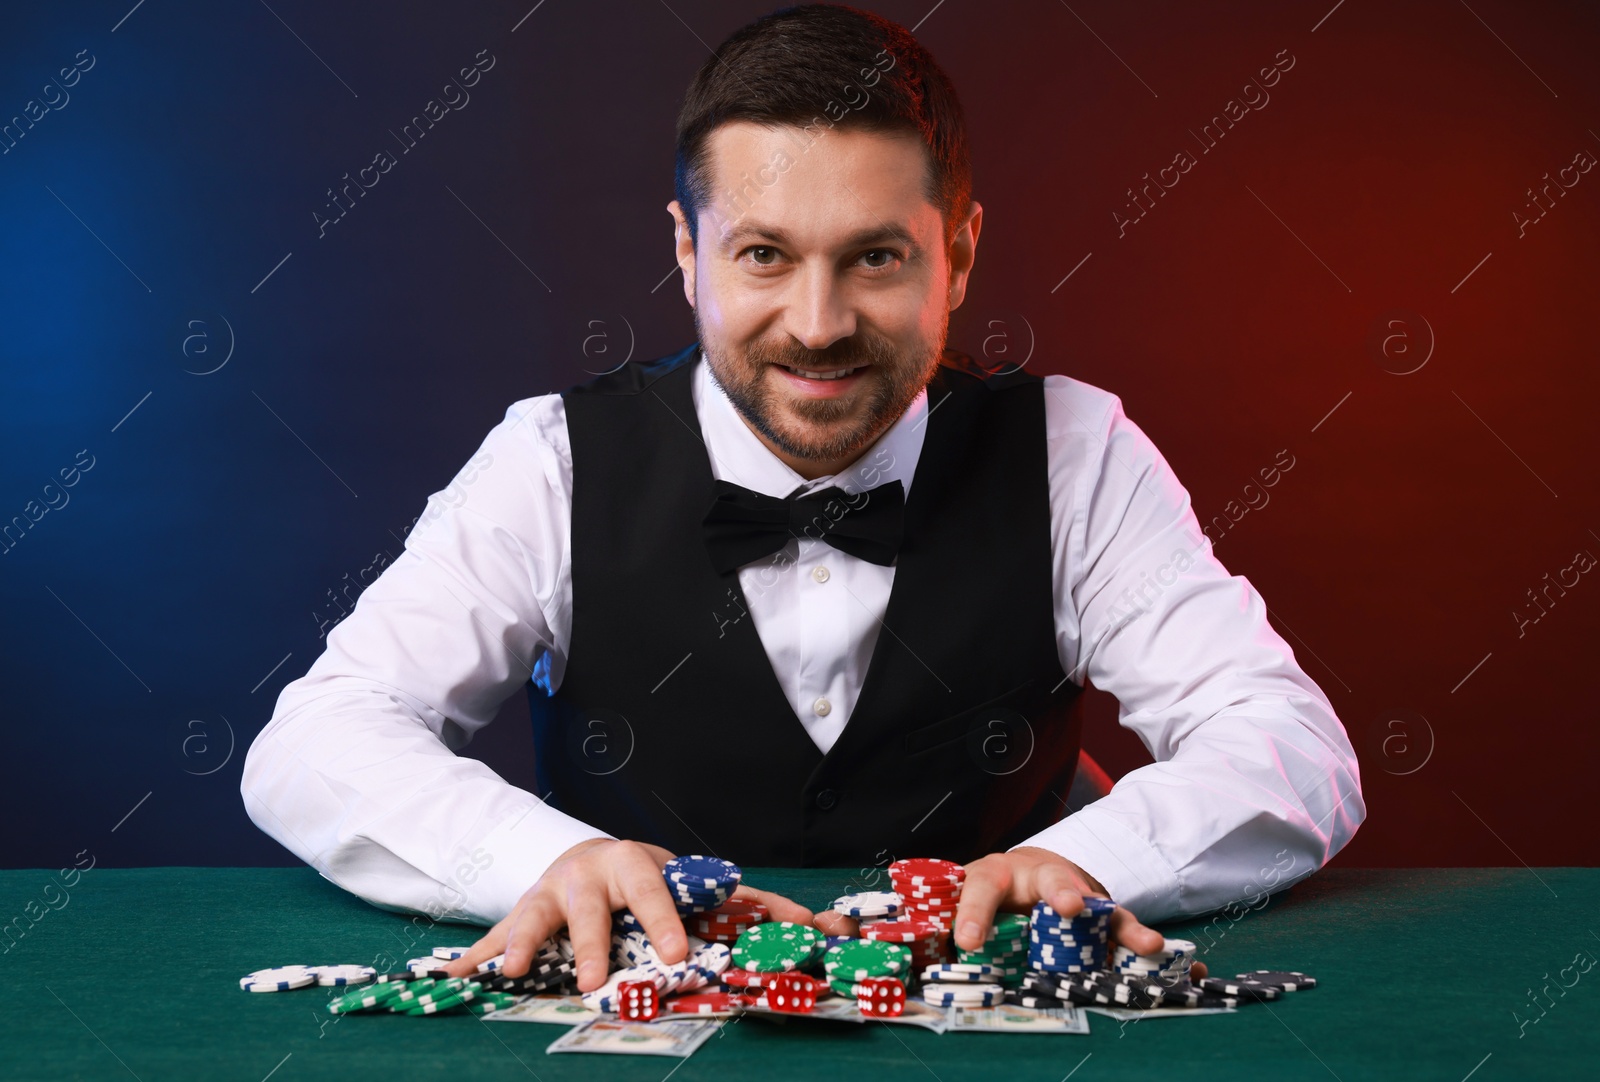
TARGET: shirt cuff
(518,851)
(1134,873)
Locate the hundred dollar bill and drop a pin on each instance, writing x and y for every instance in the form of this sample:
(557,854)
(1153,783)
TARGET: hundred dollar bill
(673,1037)
(558,1010)
(1012,1019)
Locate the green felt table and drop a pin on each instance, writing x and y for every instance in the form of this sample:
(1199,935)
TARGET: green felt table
(1422,973)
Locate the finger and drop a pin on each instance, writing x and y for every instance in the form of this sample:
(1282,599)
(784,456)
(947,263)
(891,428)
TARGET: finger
(830,922)
(589,924)
(778,907)
(645,892)
(536,918)
(492,943)
(1126,929)
(1060,887)
(988,883)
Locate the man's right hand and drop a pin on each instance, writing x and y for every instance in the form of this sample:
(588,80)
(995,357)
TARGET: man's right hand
(581,890)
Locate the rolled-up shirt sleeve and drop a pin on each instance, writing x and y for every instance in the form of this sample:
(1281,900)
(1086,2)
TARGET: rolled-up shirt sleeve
(1255,783)
(357,772)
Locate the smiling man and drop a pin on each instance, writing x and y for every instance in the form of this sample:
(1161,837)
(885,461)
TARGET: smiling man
(813,590)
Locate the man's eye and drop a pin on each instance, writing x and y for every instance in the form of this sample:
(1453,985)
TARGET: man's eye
(756,254)
(886,254)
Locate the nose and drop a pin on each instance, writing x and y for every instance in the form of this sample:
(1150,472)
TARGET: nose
(819,313)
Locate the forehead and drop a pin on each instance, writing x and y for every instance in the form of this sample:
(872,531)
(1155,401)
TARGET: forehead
(820,183)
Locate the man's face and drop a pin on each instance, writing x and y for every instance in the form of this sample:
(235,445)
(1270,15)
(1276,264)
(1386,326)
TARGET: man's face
(827,260)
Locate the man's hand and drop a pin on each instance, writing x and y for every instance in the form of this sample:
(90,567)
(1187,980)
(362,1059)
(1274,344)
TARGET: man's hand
(581,890)
(1016,880)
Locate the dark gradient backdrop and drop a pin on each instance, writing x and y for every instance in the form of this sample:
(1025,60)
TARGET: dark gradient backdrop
(250,414)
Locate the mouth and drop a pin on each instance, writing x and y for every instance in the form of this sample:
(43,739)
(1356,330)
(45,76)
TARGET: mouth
(823,376)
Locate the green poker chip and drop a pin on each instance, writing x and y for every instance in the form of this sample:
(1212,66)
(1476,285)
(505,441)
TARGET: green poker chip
(775,947)
(863,958)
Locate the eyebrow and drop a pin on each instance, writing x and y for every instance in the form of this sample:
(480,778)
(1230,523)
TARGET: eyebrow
(869,235)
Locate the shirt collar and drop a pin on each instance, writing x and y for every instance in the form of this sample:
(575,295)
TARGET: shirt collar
(738,455)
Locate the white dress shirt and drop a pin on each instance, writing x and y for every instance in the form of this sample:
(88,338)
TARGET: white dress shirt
(1255,785)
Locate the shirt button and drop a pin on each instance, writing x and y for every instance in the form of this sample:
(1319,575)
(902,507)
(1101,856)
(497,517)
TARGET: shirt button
(826,799)
(823,707)
(820,573)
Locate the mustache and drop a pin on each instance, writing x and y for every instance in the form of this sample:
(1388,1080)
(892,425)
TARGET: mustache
(846,353)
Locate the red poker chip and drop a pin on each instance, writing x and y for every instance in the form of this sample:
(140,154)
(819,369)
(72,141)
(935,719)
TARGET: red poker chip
(741,978)
(923,869)
(706,1003)
(737,910)
(902,931)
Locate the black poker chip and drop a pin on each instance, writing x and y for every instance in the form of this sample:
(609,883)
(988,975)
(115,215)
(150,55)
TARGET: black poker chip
(1287,980)
(1242,989)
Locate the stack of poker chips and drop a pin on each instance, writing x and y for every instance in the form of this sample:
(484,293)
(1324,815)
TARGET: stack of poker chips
(703,968)
(929,887)
(1168,966)
(1262,985)
(962,984)
(728,921)
(420,998)
(927,941)
(850,963)
(777,947)
(699,884)
(1108,989)
(1070,944)
(1005,949)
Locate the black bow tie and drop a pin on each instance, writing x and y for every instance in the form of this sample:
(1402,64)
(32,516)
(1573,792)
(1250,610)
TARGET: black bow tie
(743,525)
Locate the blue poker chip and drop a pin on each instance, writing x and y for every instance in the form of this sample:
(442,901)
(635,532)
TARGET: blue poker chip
(699,871)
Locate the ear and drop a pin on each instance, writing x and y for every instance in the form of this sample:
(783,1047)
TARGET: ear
(963,252)
(683,249)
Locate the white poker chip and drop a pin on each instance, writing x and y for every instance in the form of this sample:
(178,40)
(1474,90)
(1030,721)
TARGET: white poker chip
(333,976)
(450,954)
(278,979)
(962,973)
(493,965)
(872,903)
(962,995)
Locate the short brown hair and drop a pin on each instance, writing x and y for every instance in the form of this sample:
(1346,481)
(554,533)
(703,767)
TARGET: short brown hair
(827,66)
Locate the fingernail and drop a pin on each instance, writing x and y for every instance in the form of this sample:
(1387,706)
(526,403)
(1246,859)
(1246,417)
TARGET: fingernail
(970,931)
(587,969)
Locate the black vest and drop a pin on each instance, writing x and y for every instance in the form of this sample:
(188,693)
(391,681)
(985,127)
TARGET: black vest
(669,725)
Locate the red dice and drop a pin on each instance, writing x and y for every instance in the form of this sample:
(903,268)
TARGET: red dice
(794,993)
(881,997)
(637,1001)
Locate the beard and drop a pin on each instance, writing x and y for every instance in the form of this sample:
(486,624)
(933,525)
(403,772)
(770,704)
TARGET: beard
(823,429)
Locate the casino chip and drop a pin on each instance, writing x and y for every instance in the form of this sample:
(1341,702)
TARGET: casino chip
(876,903)
(707,1003)
(776,946)
(863,958)
(1287,980)
(1261,993)
(278,979)
(962,973)
(962,995)
(333,976)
